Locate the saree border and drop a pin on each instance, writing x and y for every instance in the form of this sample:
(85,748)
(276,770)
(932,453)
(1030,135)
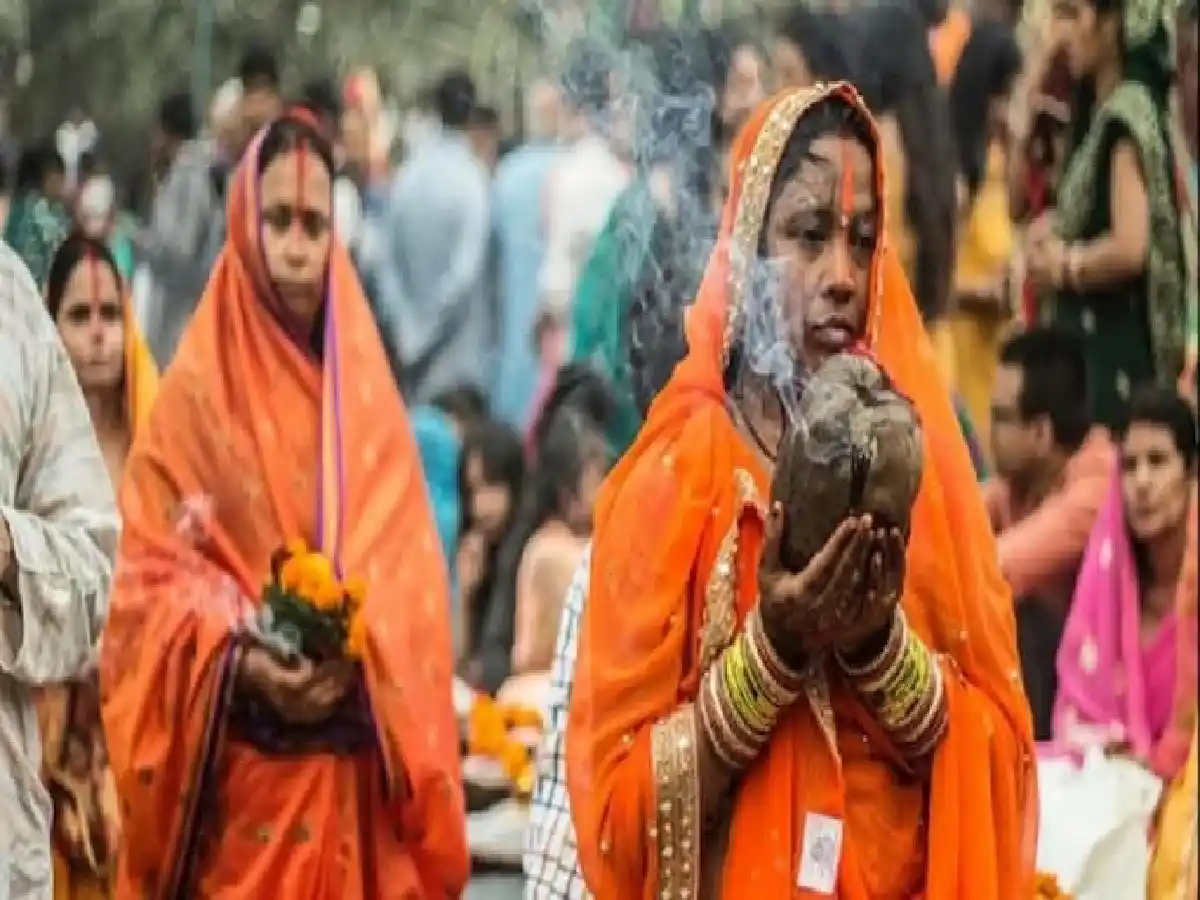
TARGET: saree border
(183,867)
(676,830)
(719,623)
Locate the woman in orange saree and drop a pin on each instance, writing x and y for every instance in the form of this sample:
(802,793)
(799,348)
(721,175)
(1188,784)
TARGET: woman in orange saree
(278,420)
(832,800)
(85,297)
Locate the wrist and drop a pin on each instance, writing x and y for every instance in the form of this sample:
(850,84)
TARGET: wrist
(1071,266)
(870,649)
(777,643)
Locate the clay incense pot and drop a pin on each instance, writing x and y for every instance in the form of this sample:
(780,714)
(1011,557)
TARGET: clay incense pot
(853,447)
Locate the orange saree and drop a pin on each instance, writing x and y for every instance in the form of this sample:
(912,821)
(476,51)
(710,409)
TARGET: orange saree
(256,440)
(678,534)
(86,821)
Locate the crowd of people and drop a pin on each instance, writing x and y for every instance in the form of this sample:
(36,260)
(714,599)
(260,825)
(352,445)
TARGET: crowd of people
(514,403)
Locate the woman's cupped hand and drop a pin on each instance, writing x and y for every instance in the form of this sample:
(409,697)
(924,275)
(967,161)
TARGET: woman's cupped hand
(843,599)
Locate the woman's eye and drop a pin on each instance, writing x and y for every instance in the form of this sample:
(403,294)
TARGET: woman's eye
(809,228)
(79,315)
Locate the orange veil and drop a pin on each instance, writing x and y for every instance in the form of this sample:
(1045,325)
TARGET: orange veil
(678,533)
(256,441)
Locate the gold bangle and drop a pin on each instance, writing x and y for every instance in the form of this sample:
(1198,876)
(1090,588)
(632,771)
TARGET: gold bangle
(732,749)
(709,725)
(784,674)
(910,681)
(932,727)
(781,688)
(871,677)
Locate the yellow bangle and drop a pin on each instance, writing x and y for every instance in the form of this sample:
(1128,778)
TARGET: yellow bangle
(779,694)
(751,706)
(908,686)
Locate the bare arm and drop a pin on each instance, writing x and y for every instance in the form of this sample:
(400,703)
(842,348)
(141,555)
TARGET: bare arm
(1121,253)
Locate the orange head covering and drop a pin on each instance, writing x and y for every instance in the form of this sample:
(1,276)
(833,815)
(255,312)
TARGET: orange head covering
(257,440)
(677,540)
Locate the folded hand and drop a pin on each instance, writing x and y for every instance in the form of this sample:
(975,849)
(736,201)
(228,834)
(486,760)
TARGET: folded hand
(301,692)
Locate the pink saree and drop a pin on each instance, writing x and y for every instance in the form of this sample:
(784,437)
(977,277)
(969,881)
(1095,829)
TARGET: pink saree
(1114,685)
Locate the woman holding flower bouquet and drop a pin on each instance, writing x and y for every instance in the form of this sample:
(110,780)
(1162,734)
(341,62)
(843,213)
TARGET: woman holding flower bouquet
(86,298)
(275,670)
(856,729)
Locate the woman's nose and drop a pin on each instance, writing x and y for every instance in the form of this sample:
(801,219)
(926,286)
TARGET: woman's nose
(840,284)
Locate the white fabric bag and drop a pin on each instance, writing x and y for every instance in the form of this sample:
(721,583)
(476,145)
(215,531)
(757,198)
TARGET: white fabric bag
(1095,820)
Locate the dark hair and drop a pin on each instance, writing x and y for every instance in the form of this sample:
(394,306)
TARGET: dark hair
(502,458)
(77,247)
(483,116)
(580,387)
(899,78)
(834,115)
(1165,408)
(321,96)
(177,116)
(464,403)
(1053,381)
(717,48)
(987,69)
(586,79)
(454,98)
(35,164)
(1189,11)
(289,133)
(258,68)
(818,35)
(501,455)
(92,162)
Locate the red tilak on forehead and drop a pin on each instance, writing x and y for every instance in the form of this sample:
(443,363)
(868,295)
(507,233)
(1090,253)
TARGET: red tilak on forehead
(847,184)
(301,165)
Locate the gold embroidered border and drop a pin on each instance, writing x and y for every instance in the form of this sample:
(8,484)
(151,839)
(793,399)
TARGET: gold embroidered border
(720,594)
(676,830)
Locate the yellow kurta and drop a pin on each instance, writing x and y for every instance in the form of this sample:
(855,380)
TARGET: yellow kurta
(972,337)
(1173,867)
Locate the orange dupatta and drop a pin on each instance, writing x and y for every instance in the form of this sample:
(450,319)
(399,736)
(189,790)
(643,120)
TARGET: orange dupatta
(676,544)
(251,427)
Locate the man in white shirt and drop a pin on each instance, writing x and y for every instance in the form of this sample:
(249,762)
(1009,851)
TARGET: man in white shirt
(58,532)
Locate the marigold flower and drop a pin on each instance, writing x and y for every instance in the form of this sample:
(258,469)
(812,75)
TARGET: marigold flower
(296,547)
(522,717)
(356,636)
(486,733)
(515,759)
(1046,887)
(325,595)
(356,590)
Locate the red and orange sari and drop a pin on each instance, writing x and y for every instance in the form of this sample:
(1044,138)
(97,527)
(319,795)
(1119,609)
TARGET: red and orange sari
(258,439)
(679,528)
